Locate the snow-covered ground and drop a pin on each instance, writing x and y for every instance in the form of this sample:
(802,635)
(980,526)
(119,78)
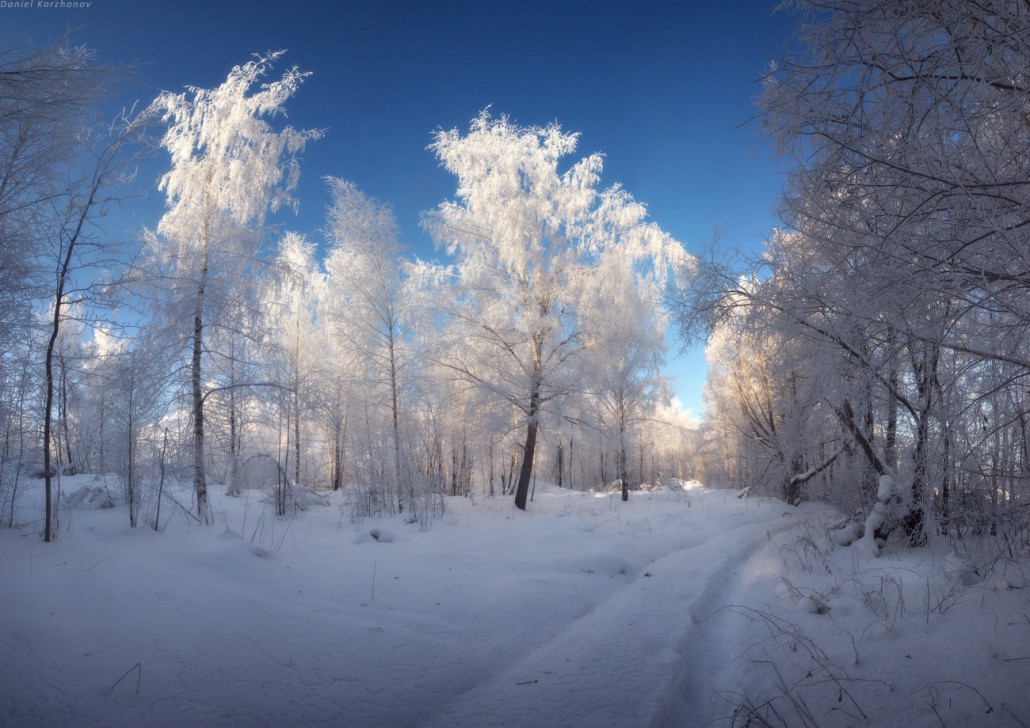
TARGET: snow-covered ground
(683,607)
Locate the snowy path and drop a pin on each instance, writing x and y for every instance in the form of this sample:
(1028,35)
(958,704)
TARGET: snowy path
(626,662)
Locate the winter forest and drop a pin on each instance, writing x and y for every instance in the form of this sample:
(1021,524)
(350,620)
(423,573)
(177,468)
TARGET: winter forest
(869,373)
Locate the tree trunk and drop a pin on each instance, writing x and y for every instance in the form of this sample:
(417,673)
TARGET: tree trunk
(49,531)
(296,436)
(280,471)
(161,480)
(394,410)
(102,454)
(847,417)
(199,474)
(890,452)
(234,453)
(22,387)
(927,384)
(914,522)
(561,462)
(490,457)
(48,527)
(622,464)
(946,482)
(130,474)
(572,458)
(296,401)
(526,471)
(337,454)
(64,413)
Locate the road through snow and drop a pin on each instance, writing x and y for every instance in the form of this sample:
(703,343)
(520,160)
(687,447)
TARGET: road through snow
(627,662)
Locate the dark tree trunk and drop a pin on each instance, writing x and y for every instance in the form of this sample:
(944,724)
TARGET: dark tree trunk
(623,466)
(296,402)
(64,415)
(130,471)
(296,437)
(526,471)
(48,527)
(927,383)
(49,532)
(199,474)
(337,456)
(561,462)
(161,480)
(847,417)
(395,415)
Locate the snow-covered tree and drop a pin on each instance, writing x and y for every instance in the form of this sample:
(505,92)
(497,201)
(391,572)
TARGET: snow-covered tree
(296,355)
(907,115)
(47,98)
(527,238)
(374,315)
(229,167)
(624,371)
(57,174)
(901,279)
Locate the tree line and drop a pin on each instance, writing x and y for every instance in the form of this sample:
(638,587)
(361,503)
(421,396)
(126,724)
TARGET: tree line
(211,350)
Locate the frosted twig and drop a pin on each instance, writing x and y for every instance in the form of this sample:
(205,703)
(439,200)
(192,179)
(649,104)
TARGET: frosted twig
(932,686)
(98,563)
(139,676)
(1012,715)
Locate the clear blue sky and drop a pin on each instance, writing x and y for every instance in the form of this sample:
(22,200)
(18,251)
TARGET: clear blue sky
(661,88)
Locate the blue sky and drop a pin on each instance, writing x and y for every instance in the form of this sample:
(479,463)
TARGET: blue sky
(661,88)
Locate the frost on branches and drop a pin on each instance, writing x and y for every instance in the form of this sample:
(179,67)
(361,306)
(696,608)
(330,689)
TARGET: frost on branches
(536,248)
(229,168)
(883,331)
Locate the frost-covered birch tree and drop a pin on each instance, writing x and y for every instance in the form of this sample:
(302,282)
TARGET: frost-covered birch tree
(629,389)
(527,236)
(298,338)
(229,167)
(625,300)
(373,315)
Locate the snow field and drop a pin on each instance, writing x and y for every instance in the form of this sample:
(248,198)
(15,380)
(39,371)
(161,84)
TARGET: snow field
(684,607)
(311,621)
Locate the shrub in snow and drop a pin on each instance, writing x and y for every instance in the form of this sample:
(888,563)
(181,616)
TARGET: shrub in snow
(260,471)
(90,497)
(295,498)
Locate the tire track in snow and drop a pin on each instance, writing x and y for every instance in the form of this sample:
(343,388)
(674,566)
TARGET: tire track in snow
(706,646)
(623,663)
